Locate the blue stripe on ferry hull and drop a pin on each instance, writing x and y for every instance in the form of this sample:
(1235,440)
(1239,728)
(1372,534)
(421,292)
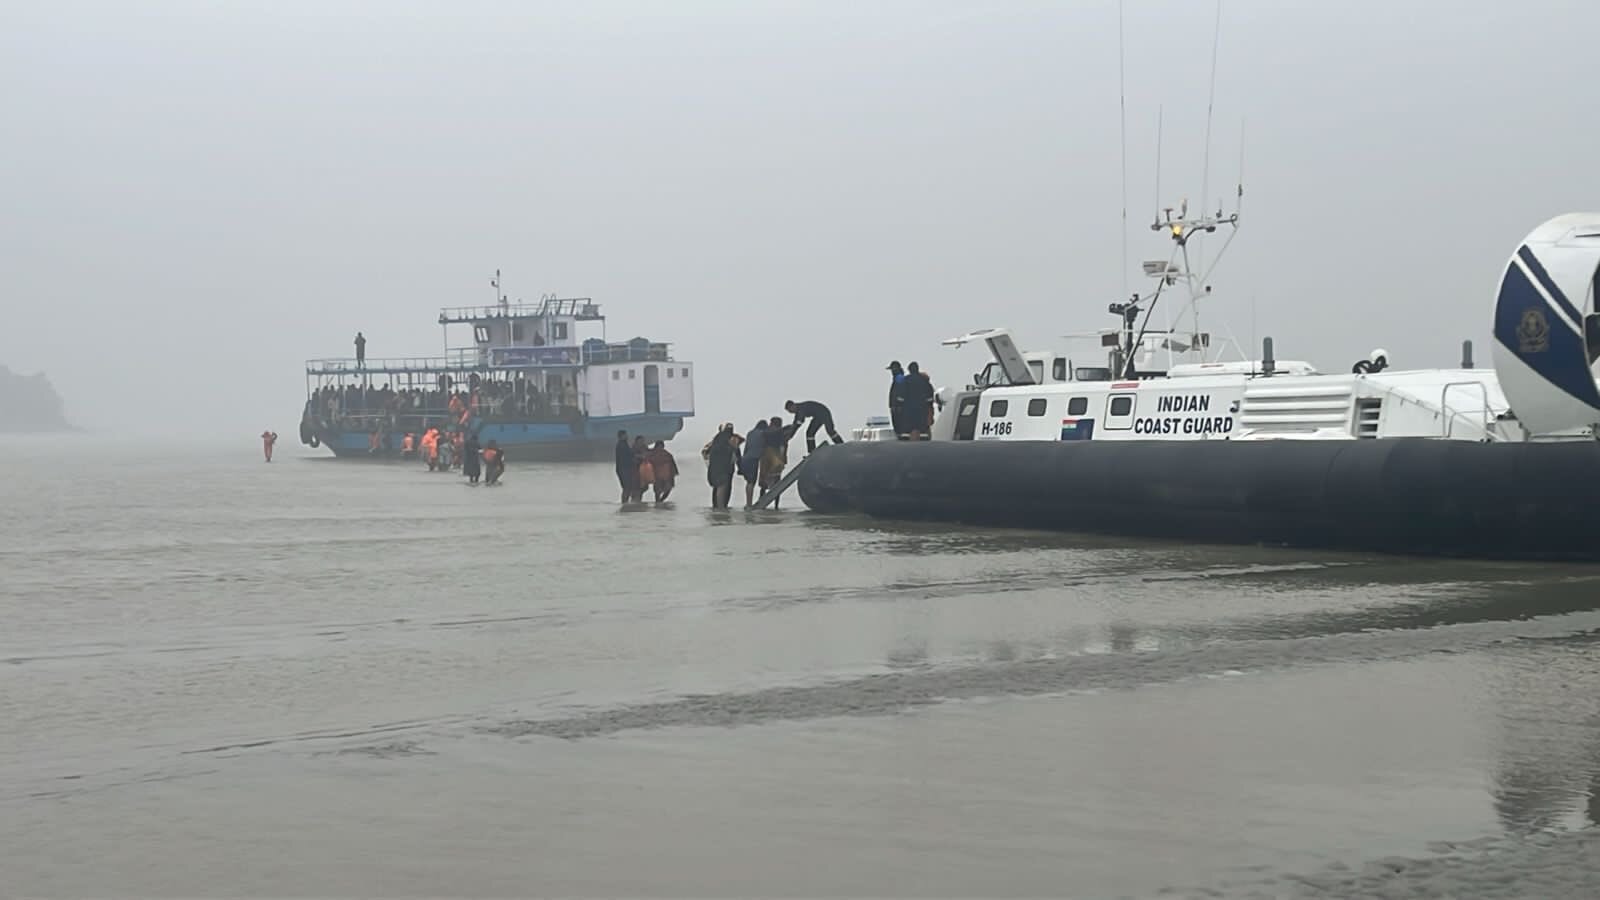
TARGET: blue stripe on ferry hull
(528,440)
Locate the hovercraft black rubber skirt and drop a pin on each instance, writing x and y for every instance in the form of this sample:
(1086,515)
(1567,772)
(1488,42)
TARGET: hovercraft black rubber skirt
(1405,495)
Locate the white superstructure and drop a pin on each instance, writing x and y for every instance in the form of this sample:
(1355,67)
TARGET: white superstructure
(1160,385)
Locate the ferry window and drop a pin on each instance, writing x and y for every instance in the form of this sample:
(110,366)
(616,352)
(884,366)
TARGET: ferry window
(516,331)
(1077,406)
(1121,406)
(997,408)
(686,373)
(632,374)
(558,331)
(669,373)
(481,333)
(616,375)
(1036,406)
(1058,370)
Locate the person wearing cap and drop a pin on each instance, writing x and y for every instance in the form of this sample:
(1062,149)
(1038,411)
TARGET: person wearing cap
(897,398)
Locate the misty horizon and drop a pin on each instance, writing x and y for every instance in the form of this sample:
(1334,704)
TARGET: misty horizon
(790,194)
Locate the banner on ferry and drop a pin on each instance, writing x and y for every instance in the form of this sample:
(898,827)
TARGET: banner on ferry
(508,357)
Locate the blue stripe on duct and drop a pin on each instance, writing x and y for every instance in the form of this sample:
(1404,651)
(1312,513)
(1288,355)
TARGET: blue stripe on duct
(1528,327)
(1549,284)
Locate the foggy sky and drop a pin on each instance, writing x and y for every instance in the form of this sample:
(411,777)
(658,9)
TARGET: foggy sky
(200,196)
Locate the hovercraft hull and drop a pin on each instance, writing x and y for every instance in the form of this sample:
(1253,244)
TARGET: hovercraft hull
(1535,501)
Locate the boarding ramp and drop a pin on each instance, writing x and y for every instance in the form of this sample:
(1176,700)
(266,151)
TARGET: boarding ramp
(789,478)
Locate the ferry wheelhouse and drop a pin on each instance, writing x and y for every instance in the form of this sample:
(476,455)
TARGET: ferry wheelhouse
(541,379)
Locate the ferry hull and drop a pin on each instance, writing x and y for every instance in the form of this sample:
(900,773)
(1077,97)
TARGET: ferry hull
(1529,501)
(592,439)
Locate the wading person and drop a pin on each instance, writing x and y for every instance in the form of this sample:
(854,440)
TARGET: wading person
(268,438)
(775,454)
(647,473)
(494,463)
(627,467)
(665,468)
(750,460)
(721,456)
(471,461)
(821,418)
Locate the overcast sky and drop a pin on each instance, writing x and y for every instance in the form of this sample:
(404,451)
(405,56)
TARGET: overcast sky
(199,196)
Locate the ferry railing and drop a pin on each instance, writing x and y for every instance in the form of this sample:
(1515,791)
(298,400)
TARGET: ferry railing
(387,365)
(580,308)
(1451,415)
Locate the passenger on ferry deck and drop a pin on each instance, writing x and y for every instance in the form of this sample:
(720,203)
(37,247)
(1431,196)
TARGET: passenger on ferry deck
(627,466)
(665,468)
(361,350)
(750,460)
(821,418)
(721,455)
(408,445)
(268,438)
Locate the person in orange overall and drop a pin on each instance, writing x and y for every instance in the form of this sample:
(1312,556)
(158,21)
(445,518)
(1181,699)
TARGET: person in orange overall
(268,438)
(430,448)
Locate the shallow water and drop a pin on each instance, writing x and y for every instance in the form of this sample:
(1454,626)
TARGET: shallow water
(221,677)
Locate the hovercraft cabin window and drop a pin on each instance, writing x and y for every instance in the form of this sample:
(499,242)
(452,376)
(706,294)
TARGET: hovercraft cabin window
(1036,406)
(1121,406)
(1058,369)
(997,408)
(1077,406)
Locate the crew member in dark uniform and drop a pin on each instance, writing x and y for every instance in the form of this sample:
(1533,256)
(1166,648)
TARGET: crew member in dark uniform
(821,418)
(897,398)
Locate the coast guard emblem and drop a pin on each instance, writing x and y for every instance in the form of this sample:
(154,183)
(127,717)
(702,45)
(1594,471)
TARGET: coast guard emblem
(1533,332)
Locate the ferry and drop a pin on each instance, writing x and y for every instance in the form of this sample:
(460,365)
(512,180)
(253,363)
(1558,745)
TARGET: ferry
(541,379)
(1165,438)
